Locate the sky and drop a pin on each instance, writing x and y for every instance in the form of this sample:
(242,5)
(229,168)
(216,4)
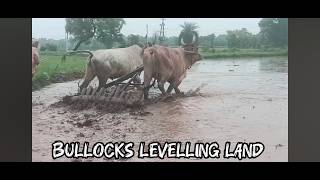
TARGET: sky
(53,28)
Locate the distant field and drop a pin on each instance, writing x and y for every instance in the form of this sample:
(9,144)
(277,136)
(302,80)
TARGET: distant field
(51,70)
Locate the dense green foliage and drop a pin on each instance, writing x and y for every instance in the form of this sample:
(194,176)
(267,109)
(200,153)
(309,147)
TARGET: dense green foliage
(105,30)
(274,31)
(49,47)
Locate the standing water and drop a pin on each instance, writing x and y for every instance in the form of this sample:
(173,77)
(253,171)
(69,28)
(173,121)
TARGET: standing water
(243,100)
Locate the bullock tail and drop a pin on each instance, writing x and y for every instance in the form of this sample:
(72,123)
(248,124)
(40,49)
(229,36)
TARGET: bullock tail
(63,59)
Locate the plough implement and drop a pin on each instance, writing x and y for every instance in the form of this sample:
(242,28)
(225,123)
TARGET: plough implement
(117,91)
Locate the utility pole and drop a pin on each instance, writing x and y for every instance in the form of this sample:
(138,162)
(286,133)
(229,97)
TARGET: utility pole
(66,39)
(147,35)
(162,29)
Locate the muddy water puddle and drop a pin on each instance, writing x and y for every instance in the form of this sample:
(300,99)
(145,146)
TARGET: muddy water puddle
(242,100)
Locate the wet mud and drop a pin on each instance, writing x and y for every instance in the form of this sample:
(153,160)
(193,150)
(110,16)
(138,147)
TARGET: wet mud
(236,100)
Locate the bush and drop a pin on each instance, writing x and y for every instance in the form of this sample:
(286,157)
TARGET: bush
(205,49)
(266,47)
(234,49)
(224,50)
(49,47)
(43,48)
(52,47)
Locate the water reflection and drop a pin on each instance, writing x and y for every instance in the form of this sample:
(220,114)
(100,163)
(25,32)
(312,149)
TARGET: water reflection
(249,65)
(274,65)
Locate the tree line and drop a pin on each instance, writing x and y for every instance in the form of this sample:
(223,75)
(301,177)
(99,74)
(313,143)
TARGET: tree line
(100,33)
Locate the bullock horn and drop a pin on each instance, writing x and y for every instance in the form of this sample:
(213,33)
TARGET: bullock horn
(142,50)
(181,39)
(195,38)
(182,42)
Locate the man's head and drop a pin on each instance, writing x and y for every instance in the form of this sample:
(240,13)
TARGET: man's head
(35,43)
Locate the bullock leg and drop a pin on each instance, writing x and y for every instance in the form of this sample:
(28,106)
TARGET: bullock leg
(146,85)
(161,87)
(87,78)
(176,89)
(170,88)
(102,81)
(145,93)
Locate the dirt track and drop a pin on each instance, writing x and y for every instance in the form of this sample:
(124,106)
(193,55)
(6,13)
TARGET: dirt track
(244,100)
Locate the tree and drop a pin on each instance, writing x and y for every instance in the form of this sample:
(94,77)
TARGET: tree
(241,39)
(211,38)
(207,41)
(82,29)
(133,39)
(109,30)
(154,39)
(173,41)
(51,47)
(221,40)
(106,30)
(274,31)
(188,32)
(43,48)
(232,39)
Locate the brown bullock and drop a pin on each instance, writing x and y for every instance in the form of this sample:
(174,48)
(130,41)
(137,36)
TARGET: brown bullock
(167,65)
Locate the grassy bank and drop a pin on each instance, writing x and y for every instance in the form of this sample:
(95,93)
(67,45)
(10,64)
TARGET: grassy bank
(239,53)
(51,70)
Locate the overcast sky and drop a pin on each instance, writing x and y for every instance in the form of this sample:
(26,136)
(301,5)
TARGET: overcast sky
(53,28)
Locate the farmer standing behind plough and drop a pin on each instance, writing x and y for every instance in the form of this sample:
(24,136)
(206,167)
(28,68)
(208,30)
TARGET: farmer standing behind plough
(35,56)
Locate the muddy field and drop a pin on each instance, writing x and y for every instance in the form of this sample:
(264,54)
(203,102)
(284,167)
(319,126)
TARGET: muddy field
(241,100)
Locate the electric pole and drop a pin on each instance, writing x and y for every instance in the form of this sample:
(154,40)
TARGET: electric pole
(162,29)
(147,35)
(66,39)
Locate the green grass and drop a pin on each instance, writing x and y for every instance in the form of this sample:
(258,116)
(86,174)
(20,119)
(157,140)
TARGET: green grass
(238,53)
(51,70)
